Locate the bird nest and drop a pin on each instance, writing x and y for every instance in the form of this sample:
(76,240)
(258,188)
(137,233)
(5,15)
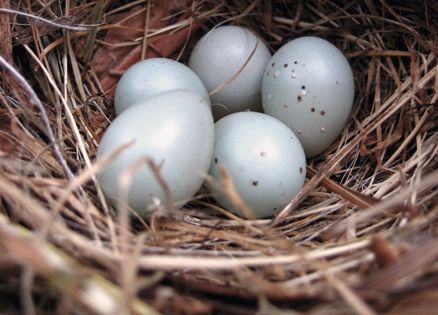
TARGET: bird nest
(360,237)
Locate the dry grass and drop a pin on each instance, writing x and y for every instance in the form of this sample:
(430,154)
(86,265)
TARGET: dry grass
(363,237)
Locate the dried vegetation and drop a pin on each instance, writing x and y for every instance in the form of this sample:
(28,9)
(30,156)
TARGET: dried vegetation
(363,237)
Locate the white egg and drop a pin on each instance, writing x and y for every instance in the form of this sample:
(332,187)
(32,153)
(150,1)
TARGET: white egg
(264,159)
(176,130)
(218,56)
(153,76)
(308,84)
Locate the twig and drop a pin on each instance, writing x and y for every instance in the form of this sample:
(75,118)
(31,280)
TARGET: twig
(96,16)
(171,262)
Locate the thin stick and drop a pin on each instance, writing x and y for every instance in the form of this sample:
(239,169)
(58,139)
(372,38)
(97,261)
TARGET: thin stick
(171,262)
(96,16)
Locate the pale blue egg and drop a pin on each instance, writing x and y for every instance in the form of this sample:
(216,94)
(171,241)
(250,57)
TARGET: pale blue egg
(219,60)
(308,84)
(264,159)
(176,130)
(153,76)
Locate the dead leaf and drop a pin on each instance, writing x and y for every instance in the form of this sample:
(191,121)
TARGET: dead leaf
(133,21)
(112,59)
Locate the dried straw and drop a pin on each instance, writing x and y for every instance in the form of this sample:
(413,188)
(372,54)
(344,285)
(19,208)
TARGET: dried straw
(361,237)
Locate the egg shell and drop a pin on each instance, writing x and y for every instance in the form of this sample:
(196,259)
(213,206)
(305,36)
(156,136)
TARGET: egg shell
(264,159)
(153,76)
(218,56)
(308,84)
(176,130)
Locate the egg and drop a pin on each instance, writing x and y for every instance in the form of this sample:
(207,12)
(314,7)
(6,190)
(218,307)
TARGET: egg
(153,76)
(219,56)
(176,130)
(308,84)
(264,159)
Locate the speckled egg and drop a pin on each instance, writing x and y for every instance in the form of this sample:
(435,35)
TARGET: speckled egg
(308,84)
(263,157)
(175,129)
(153,76)
(219,56)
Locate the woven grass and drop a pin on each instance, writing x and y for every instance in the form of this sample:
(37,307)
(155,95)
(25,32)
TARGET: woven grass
(362,237)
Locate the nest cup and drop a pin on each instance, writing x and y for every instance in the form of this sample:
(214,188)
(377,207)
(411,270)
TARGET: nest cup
(362,237)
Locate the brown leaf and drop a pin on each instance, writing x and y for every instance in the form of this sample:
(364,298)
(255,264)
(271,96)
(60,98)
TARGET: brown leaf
(110,61)
(165,46)
(133,22)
